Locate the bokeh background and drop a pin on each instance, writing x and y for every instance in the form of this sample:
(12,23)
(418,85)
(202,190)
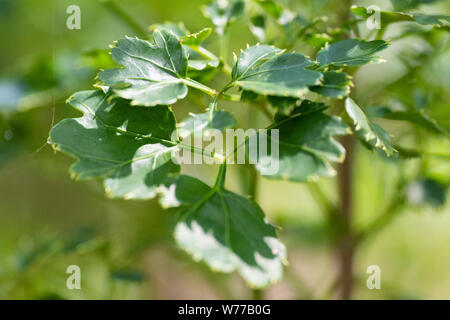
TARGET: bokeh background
(125,249)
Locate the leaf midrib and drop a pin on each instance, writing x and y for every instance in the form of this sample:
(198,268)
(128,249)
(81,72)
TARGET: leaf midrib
(255,63)
(368,56)
(170,56)
(126,132)
(167,70)
(227,216)
(270,70)
(120,163)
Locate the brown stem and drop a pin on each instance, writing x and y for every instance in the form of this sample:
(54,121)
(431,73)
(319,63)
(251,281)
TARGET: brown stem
(346,243)
(345,185)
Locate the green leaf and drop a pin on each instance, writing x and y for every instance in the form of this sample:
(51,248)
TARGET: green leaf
(199,64)
(305,143)
(387,17)
(418,117)
(179,29)
(252,58)
(406,154)
(351,52)
(199,58)
(334,85)
(153,74)
(267,71)
(198,123)
(437,20)
(196,39)
(248,96)
(228,232)
(318,40)
(223,12)
(128,146)
(284,105)
(369,132)
(303,108)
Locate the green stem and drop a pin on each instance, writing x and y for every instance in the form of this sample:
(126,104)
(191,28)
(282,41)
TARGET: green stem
(202,151)
(221,95)
(380,33)
(226,69)
(231,97)
(224,42)
(199,86)
(253,185)
(212,108)
(224,46)
(220,181)
(203,52)
(213,105)
(118,11)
